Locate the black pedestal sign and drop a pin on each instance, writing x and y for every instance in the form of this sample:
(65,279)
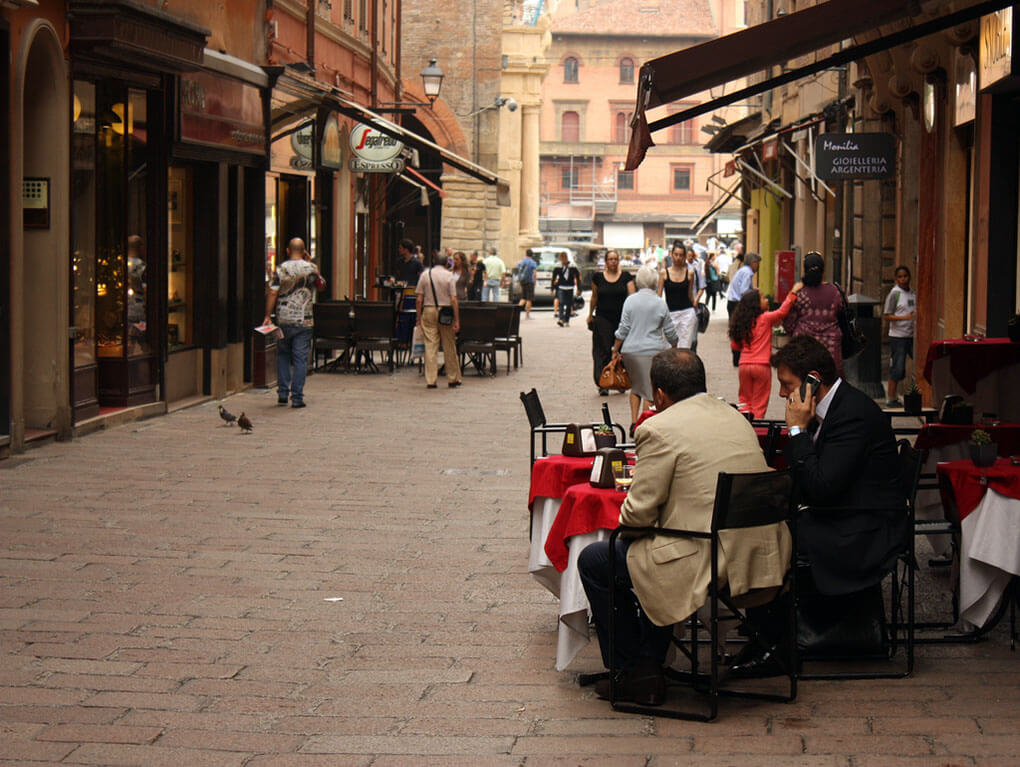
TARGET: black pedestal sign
(845,156)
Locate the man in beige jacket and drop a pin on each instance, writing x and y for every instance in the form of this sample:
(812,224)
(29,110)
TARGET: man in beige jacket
(680,453)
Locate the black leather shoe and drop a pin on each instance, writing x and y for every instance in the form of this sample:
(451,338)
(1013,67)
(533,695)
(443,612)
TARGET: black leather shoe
(643,684)
(430,386)
(754,662)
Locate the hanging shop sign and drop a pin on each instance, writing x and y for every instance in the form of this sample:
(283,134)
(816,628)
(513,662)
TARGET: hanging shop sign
(844,156)
(302,141)
(996,49)
(330,152)
(372,151)
(965,89)
(221,112)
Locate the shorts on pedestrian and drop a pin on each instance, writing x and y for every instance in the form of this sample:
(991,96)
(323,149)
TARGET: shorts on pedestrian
(899,348)
(528,291)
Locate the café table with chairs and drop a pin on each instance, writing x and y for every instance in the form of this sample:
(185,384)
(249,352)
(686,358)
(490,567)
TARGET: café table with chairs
(986,501)
(985,371)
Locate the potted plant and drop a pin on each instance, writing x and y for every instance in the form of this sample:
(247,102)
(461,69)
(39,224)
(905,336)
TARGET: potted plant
(982,450)
(912,399)
(779,337)
(604,436)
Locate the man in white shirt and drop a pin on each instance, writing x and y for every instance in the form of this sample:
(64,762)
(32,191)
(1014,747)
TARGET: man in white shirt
(437,291)
(494,269)
(900,306)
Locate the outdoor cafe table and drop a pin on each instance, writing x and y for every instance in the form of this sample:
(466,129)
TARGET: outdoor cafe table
(948,442)
(587,514)
(550,478)
(567,514)
(988,500)
(986,372)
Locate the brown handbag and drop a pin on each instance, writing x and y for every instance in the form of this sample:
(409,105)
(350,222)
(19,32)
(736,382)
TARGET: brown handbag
(614,376)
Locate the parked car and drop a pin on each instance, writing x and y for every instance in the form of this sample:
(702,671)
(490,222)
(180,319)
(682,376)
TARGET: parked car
(547,258)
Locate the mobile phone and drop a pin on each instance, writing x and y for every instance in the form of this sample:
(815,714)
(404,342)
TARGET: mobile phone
(810,380)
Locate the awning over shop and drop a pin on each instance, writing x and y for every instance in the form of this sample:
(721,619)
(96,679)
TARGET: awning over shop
(720,61)
(717,206)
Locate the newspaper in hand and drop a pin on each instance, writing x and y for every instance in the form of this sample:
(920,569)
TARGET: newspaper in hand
(270,330)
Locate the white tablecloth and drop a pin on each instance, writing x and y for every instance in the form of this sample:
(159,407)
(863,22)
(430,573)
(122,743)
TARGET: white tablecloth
(572,635)
(990,556)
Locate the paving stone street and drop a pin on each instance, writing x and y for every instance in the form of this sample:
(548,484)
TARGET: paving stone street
(348,586)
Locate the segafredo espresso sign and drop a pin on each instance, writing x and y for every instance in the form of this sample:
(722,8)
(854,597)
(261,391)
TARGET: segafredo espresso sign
(841,156)
(372,151)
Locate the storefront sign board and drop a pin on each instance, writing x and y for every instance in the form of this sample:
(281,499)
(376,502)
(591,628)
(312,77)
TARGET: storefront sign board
(996,48)
(219,111)
(844,156)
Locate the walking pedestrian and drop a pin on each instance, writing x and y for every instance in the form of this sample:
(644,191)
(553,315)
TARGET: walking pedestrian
(526,277)
(609,289)
(676,285)
(645,330)
(565,278)
(751,335)
(494,270)
(462,272)
(900,307)
(436,292)
(712,279)
(291,294)
(815,313)
(474,291)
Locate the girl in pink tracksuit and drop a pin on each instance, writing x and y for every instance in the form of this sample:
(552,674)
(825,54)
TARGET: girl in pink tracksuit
(751,335)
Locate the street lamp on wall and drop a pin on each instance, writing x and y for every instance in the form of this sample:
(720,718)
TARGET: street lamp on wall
(432,81)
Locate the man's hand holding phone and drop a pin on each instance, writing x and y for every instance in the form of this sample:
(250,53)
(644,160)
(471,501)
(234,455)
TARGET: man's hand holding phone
(800,405)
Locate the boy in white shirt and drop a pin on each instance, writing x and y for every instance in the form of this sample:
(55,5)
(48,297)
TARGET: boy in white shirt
(900,306)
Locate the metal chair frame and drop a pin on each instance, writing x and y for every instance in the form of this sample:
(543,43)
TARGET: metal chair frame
(767,507)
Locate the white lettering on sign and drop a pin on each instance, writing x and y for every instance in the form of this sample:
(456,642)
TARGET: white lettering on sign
(372,145)
(846,146)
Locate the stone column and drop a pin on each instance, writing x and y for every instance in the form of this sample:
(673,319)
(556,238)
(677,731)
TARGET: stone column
(529,171)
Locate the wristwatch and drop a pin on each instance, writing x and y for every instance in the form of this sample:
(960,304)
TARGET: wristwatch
(794,431)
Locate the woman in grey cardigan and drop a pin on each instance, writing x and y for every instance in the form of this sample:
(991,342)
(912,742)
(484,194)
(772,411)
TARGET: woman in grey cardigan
(645,330)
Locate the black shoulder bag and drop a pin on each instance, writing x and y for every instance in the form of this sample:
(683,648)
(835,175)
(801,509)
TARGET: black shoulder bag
(445,312)
(853,340)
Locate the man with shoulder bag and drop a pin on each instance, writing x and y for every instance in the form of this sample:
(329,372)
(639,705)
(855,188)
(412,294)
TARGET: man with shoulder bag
(439,320)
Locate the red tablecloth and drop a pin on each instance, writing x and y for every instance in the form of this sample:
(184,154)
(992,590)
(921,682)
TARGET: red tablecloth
(970,361)
(969,482)
(1005,435)
(584,509)
(551,476)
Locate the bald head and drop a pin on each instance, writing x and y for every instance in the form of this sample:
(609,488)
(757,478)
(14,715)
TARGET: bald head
(296,248)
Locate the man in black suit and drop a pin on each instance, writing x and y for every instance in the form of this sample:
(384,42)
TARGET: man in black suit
(842,452)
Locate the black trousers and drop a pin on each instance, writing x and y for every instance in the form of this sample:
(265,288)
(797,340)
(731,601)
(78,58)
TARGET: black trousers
(730,307)
(602,340)
(637,638)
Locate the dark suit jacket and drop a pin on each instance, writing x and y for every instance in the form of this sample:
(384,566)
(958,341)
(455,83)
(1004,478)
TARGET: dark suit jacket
(853,462)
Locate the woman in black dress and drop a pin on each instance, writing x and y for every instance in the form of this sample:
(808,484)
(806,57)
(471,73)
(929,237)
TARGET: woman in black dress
(609,289)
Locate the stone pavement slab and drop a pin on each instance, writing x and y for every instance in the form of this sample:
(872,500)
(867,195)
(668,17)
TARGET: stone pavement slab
(348,586)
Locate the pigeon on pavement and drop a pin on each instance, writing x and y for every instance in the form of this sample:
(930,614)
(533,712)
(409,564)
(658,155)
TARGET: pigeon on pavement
(227,416)
(244,422)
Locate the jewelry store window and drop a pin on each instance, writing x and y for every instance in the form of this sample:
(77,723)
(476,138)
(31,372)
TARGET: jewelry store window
(181,261)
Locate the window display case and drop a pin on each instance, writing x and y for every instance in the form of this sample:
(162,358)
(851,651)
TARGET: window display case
(180,261)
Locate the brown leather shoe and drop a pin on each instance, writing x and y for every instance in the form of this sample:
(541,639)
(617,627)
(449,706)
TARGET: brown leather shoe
(643,684)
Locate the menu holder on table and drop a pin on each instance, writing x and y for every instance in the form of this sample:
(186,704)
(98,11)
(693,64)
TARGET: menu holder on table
(607,461)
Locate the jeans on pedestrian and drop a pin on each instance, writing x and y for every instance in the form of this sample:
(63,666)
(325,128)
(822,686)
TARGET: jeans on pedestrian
(899,348)
(292,350)
(566,298)
(637,637)
(490,290)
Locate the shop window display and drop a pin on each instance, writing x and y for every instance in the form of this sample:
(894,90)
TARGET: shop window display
(180,287)
(83,222)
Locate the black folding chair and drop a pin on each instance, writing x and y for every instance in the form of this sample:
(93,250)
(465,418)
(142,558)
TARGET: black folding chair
(476,339)
(333,331)
(741,501)
(374,326)
(901,579)
(508,339)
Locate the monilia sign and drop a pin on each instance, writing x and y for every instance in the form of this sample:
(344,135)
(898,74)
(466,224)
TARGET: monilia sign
(845,156)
